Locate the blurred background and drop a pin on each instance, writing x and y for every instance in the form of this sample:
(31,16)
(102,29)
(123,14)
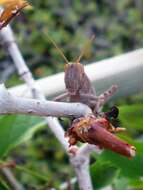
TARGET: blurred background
(118,28)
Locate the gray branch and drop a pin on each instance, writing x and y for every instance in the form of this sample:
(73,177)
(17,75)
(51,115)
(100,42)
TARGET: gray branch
(10,104)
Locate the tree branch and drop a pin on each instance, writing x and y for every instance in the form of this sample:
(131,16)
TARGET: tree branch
(81,166)
(86,149)
(10,104)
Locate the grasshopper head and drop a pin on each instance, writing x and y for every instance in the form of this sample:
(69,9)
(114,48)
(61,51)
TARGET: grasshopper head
(73,76)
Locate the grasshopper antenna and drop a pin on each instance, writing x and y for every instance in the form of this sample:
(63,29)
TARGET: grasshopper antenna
(84,48)
(56,46)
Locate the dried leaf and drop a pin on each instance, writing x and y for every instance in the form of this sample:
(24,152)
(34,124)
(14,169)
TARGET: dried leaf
(11,9)
(98,131)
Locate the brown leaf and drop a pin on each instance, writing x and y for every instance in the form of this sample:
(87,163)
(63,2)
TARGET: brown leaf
(97,131)
(12,8)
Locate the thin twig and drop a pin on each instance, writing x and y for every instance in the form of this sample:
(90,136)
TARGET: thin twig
(11,180)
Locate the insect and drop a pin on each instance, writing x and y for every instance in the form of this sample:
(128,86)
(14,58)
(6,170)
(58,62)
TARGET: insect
(78,86)
(112,116)
(11,9)
(113,113)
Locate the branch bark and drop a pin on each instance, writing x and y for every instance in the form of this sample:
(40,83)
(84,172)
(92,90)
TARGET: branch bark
(81,167)
(10,104)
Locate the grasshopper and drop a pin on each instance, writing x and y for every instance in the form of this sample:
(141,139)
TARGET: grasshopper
(78,86)
(80,89)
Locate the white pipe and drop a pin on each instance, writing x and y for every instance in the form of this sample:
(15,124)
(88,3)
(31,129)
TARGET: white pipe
(124,70)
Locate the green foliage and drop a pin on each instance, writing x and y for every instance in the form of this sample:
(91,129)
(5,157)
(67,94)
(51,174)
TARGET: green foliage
(136,183)
(131,116)
(103,173)
(120,184)
(12,131)
(128,170)
(39,158)
(6,125)
(3,185)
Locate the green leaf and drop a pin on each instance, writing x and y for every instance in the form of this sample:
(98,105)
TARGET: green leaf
(3,185)
(103,174)
(136,183)
(121,184)
(131,116)
(130,168)
(6,131)
(13,130)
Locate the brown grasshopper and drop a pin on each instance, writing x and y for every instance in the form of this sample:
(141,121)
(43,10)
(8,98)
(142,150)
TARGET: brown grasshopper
(78,85)
(80,89)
